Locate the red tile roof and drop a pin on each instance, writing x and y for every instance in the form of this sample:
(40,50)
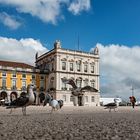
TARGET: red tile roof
(15,64)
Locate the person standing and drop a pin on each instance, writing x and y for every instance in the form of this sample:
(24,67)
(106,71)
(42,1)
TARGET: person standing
(132,100)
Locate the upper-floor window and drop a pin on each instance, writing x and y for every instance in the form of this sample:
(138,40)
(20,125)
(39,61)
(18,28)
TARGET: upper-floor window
(71,66)
(4,74)
(42,77)
(23,75)
(92,84)
(4,82)
(14,75)
(92,68)
(63,65)
(79,82)
(33,76)
(14,83)
(85,68)
(23,83)
(79,66)
(64,86)
(86,82)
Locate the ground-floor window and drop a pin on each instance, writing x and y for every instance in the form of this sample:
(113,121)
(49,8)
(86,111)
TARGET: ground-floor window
(86,98)
(64,98)
(92,99)
(71,98)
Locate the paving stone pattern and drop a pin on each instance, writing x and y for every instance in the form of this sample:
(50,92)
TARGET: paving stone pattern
(70,123)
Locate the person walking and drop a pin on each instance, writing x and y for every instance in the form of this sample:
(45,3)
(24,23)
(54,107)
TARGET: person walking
(132,100)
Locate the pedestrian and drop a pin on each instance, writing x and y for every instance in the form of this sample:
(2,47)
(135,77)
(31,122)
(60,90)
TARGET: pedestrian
(132,100)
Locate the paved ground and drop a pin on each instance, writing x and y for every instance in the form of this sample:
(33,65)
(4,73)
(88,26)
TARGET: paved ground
(70,123)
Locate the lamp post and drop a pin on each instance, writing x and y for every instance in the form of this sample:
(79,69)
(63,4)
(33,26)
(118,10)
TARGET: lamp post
(132,90)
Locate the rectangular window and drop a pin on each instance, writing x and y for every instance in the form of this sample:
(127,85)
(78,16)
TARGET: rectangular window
(71,66)
(63,65)
(13,83)
(92,84)
(14,75)
(64,86)
(42,77)
(24,76)
(3,82)
(86,98)
(4,74)
(64,98)
(71,98)
(92,99)
(86,83)
(79,83)
(78,66)
(23,83)
(33,76)
(92,69)
(85,68)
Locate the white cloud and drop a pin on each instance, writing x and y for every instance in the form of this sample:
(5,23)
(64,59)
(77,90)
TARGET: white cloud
(119,70)
(48,11)
(9,21)
(79,5)
(22,50)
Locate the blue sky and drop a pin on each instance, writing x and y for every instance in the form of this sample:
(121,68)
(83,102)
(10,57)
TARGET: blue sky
(107,22)
(112,25)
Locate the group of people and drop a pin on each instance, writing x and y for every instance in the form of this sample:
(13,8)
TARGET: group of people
(132,100)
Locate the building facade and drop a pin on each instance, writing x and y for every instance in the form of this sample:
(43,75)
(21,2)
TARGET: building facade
(80,66)
(14,78)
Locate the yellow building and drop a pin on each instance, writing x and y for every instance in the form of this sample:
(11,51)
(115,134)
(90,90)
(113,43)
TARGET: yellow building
(14,78)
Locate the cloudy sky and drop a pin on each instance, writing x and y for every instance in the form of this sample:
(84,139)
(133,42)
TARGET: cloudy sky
(31,26)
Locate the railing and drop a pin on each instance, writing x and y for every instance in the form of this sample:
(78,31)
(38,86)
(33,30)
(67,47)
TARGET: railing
(13,88)
(23,88)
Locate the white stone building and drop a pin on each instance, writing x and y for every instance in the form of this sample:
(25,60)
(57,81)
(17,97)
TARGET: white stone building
(82,67)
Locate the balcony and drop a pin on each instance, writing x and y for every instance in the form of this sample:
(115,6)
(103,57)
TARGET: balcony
(23,88)
(3,88)
(14,88)
(63,88)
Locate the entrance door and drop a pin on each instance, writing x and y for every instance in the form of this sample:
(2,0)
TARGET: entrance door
(80,103)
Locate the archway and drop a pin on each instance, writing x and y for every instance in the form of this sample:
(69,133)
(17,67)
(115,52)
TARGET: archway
(13,96)
(3,95)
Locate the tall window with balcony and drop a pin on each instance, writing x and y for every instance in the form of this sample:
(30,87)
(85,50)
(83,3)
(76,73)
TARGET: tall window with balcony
(14,75)
(14,83)
(64,86)
(79,66)
(71,66)
(63,65)
(85,68)
(33,80)
(3,83)
(23,76)
(92,68)
(4,74)
(4,80)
